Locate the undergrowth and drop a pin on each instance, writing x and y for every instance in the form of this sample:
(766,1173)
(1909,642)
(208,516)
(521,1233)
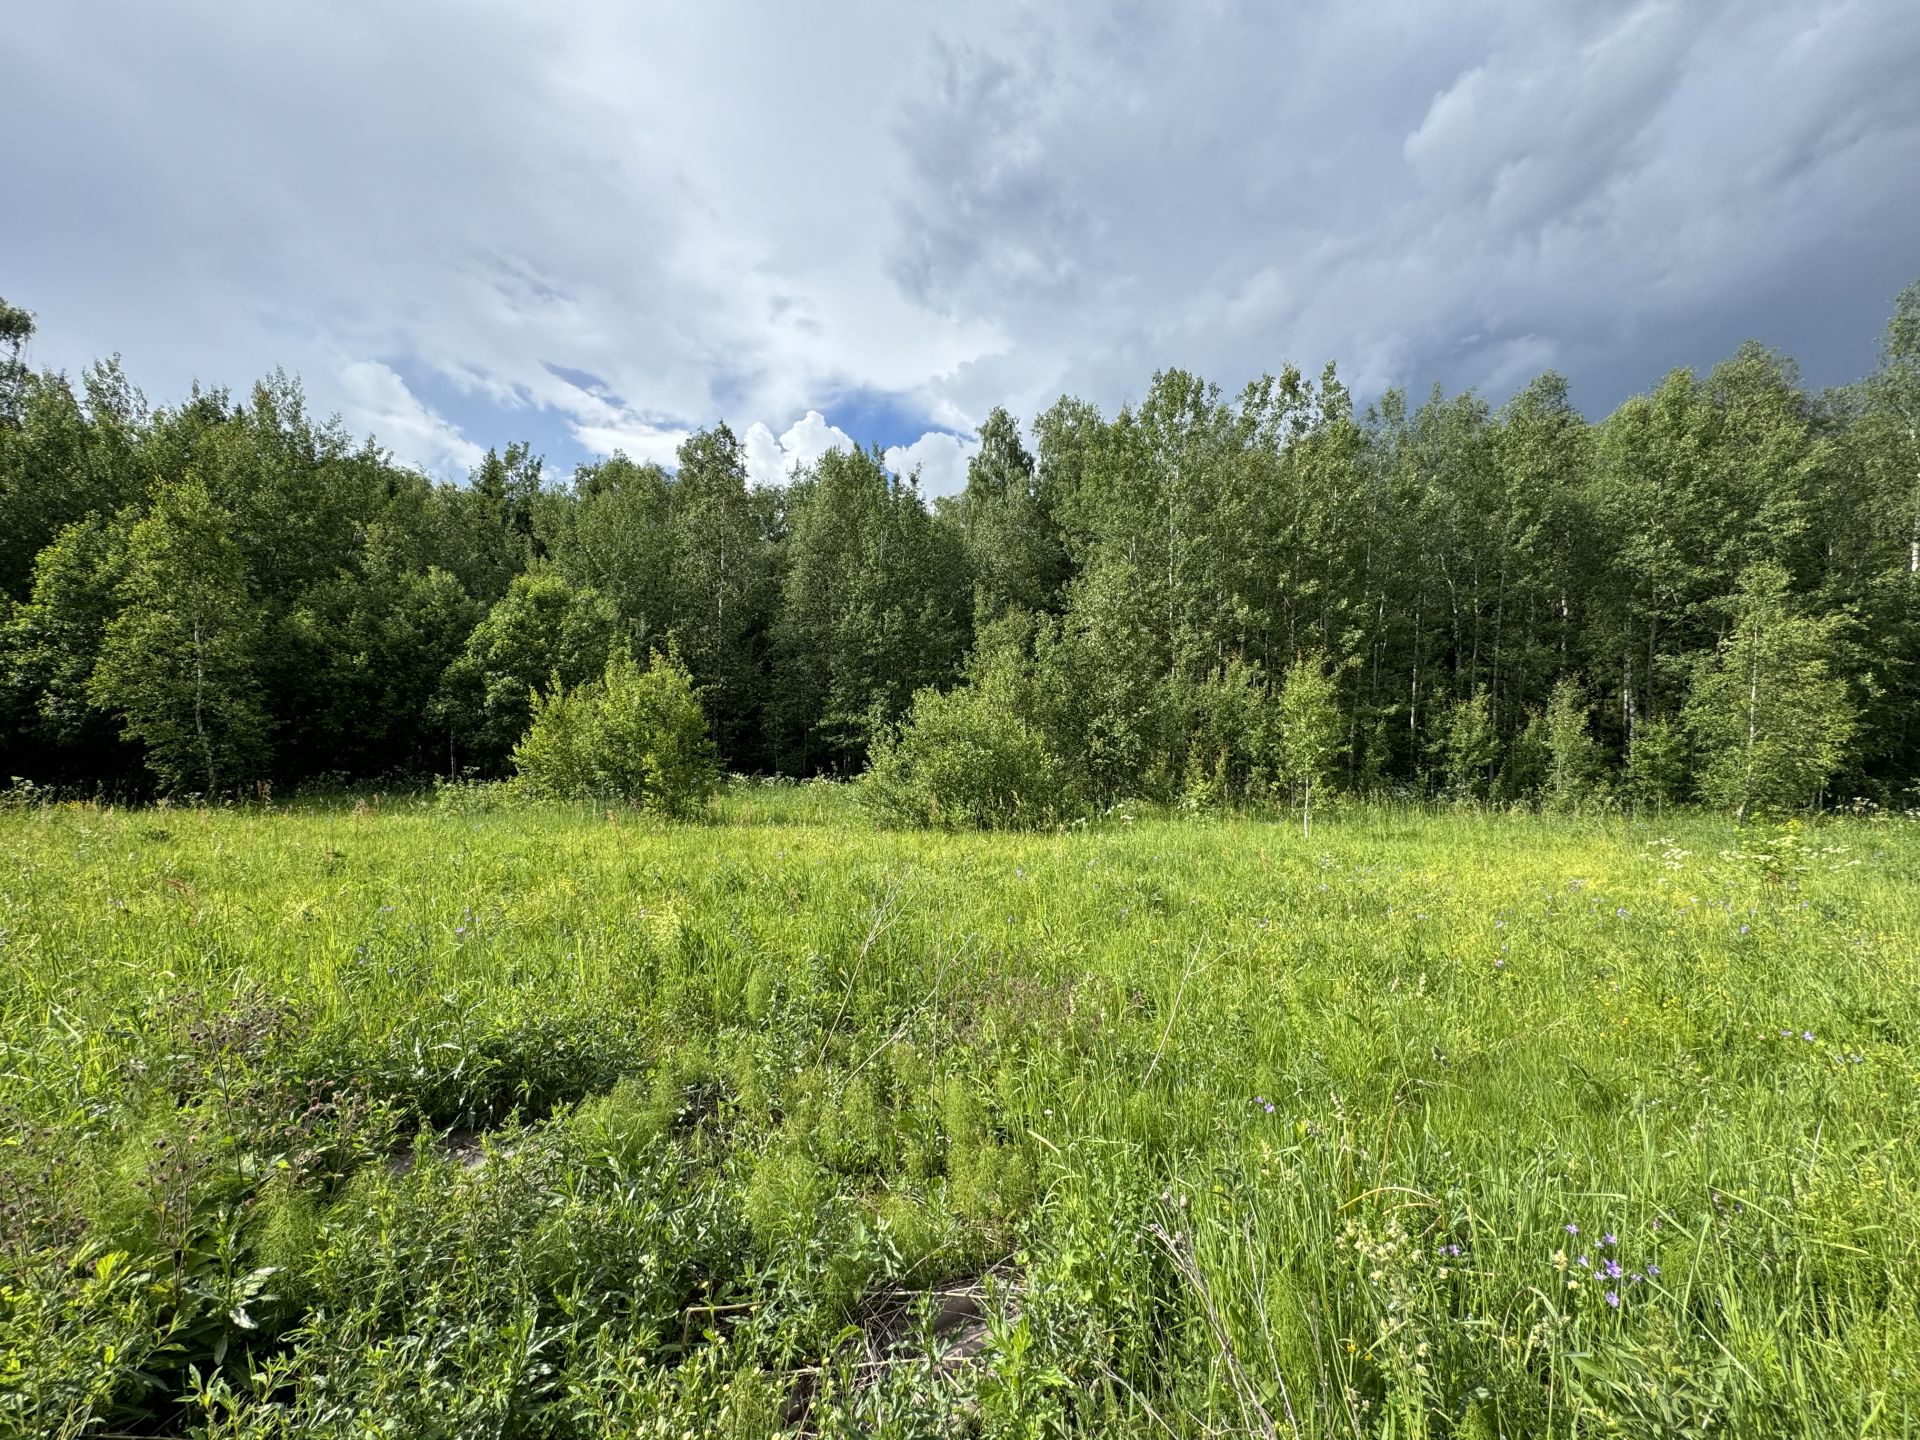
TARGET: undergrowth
(469,1120)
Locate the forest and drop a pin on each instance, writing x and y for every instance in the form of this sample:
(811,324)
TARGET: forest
(1711,593)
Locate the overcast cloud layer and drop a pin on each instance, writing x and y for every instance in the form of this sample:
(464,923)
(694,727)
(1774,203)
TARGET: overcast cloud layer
(599,225)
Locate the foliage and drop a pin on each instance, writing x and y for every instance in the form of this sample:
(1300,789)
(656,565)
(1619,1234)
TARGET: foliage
(1769,716)
(1005,519)
(1310,730)
(1573,758)
(634,736)
(1468,572)
(542,632)
(965,759)
(1469,747)
(178,662)
(1657,763)
(872,609)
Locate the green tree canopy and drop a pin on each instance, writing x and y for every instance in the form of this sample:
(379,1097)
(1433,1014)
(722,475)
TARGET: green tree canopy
(542,632)
(179,662)
(1767,714)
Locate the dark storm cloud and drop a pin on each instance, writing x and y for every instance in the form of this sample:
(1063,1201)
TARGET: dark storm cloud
(449,218)
(1424,193)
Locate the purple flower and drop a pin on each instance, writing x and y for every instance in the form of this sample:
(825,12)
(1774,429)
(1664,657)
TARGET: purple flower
(1807,1035)
(1573,1229)
(1786,1034)
(1454,1250)
(1611,1269)
(1582,1262)
(1656,1222)
(1613,1298)
(1269,1107)
(1654,1271)
(1608,1238)
(1743,929)
(1635,1278)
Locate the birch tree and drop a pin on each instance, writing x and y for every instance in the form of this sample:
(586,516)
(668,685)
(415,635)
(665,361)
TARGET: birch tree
(1770,719)
(179,661)
(1310,730)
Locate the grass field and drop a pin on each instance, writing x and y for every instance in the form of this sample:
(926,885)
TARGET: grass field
(399,1120)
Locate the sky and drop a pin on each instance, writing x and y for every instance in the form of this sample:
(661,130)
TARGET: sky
(602,224)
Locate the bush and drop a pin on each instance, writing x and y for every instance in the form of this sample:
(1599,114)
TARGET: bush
(636,736)
(967,760)
(1657,764)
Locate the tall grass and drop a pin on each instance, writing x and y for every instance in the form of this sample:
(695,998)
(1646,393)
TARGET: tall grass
(553,1122)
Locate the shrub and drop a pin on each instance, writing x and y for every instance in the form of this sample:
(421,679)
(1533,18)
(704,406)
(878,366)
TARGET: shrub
(636,736)
(1657,763)
(1468,747)
(1574,762)
(967,760)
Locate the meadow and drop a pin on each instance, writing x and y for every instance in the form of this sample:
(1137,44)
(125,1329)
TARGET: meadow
(419,1118)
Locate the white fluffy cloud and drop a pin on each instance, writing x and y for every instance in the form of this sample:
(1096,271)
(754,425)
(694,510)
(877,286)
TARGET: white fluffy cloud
(378,402)
(773,461)
(938,458)
(578,223)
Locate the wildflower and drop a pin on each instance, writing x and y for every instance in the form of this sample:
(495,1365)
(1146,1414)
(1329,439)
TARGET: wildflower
(1635,1278)
(1611,1269)
(1269,1107)
(1786,1034)
(1653,1271)
(1744,929)
(1582,1263)
(1656,1222)
(1807,1035)
(1613,1298)
(1572,1229)
(1608,1239)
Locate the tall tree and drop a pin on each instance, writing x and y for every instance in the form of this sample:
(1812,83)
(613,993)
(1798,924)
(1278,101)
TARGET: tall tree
(1013,543)
(179,662)
(1769,718)
(65,456)
(542,632)
(16,329)
(874,607)
(1310,730)
(721,588)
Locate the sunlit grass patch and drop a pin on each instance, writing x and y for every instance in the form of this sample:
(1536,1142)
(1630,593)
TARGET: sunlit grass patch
(532,1121)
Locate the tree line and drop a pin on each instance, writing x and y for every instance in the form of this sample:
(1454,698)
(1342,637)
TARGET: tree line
(1713,592)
